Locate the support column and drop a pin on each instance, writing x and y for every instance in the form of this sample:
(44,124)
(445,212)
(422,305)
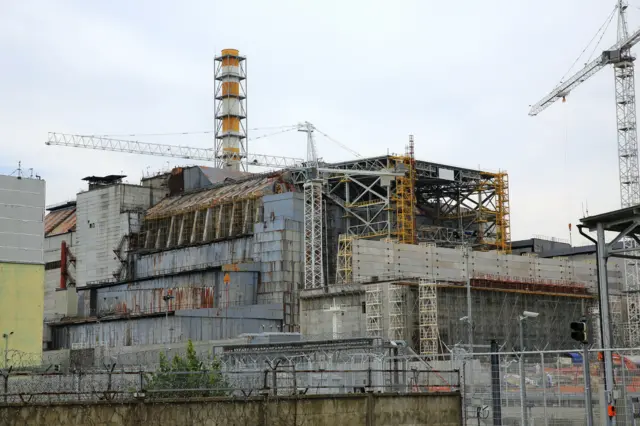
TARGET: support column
(181,231)
(194,228)
(206,234)
(603,290)
(219,222)
(171,232)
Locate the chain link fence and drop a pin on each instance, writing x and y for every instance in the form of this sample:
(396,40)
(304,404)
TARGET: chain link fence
(554,387)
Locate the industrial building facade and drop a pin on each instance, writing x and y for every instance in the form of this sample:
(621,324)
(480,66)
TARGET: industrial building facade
(210,254)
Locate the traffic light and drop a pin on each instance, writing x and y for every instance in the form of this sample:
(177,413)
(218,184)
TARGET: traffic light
(579,331)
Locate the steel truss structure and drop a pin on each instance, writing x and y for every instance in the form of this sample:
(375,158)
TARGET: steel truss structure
(230,94)
(373,306)
(397,312)
(428,317)
(313,264)
(101,143)
(453,205)
(344,270)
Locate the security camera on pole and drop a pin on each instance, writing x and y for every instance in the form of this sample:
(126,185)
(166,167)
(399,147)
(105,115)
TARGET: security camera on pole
(579,333)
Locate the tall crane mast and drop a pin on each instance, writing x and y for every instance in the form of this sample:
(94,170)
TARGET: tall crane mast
(619,55)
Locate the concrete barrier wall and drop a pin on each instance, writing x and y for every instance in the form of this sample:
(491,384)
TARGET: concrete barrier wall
(443,409)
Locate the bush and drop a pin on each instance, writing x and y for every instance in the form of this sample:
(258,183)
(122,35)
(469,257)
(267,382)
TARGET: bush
(187,377)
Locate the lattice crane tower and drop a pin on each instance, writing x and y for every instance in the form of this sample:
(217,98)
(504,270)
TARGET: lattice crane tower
(230,110)
(619,55)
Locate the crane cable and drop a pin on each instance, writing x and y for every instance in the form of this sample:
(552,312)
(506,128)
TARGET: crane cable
(194,132)
(340,144)
(603,28)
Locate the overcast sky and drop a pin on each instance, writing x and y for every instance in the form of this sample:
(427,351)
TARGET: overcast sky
(458,75)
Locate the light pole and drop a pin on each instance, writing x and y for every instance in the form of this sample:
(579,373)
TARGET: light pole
(523,389)
(469,317)
(5,336)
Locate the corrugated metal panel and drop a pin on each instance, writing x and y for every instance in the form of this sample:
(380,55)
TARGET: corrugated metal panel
(155,331)
(21,219)
(60,221)
(215,254)
(196,290)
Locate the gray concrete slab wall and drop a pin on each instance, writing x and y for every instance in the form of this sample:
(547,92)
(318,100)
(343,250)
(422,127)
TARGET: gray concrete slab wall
(173,329)
(22,204)
(443,409)
(278,248)
(104,216)
(379,258)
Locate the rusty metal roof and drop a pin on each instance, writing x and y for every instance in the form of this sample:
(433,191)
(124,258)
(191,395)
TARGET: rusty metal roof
(60,222)
(255,186)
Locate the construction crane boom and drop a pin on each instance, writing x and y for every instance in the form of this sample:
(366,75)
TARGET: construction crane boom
(162,150)
(609,56)
(619,55)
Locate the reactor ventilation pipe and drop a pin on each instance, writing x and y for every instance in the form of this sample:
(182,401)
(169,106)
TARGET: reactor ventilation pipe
(230,110)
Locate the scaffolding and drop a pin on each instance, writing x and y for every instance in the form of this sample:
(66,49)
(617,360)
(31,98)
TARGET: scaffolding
(503,222)
(405,197)
(493,214)
(428,317)
(373,307)
(397,312)
(344,270)
(313,265)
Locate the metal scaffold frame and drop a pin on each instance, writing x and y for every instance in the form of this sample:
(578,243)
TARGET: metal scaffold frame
(344,270)
(313,264)
(397,312)
(373,306)
(459,205)
(503,219)
(428,317)
(404,198)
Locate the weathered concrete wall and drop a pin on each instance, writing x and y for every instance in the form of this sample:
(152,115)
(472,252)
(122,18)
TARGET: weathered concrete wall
(443,409)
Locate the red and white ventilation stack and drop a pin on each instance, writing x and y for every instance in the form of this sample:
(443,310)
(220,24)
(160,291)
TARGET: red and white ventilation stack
(230,110)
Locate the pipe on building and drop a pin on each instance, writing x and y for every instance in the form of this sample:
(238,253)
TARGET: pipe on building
(63,265)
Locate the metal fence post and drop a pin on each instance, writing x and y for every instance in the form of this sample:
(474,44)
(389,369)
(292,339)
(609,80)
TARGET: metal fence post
(543,380)
(587,385)
(496,385)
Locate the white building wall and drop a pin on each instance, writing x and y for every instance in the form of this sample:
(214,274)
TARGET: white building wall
(381,259)
(22,203)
